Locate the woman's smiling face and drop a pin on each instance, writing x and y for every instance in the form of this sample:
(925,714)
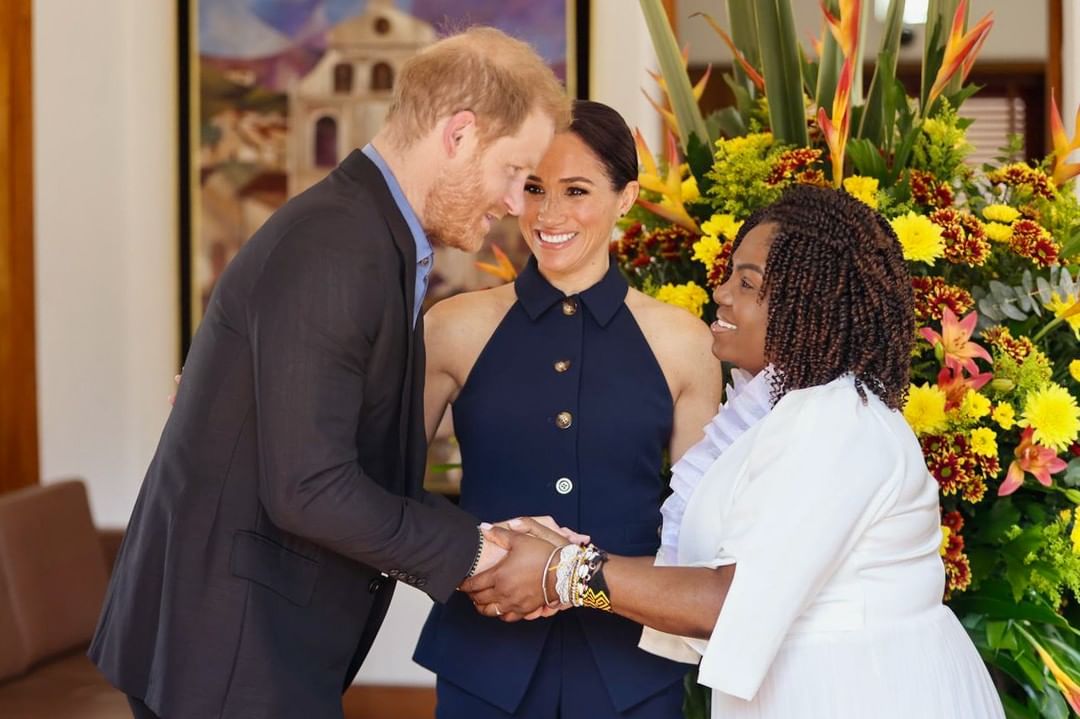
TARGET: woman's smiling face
(742,314)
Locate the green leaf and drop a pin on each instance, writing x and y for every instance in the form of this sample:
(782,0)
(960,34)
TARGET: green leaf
(1002,515)
(699,157)
(1072,478)
(867,159)
(782,71)
(994,599)
(742,19)
(743,101)
(729,122)
(873,122)
(687,113)
(995,633)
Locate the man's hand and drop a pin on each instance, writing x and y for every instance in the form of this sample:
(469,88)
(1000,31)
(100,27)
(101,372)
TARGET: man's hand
(511,590)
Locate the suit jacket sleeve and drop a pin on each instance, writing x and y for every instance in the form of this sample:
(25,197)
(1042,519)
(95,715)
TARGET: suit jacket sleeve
(315,312)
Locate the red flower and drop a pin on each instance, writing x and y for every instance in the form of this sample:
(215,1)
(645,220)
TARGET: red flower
(933,295)
(955,340)
(1033,459)
(1030,240)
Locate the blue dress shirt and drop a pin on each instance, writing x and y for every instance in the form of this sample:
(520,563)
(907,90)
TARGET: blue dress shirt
(425,256)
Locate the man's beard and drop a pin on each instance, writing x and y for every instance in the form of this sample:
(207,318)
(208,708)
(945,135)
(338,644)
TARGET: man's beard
(454,208)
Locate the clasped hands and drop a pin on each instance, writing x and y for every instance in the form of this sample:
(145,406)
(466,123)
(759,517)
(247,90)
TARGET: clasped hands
(513,588)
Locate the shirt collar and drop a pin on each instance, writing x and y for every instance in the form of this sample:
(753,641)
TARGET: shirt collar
(423,245)
(603,299)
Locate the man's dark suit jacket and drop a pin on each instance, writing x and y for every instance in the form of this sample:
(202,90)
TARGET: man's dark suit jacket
(288,476)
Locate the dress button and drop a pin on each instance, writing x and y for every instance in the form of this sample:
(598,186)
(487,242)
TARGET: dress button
(563,420)
(564,485)
(562,365)
(569,307)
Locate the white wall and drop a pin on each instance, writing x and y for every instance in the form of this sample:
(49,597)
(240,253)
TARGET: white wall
(1070,65)
(106,245)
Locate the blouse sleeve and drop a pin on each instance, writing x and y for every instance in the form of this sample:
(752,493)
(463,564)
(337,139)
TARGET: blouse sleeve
(822,470)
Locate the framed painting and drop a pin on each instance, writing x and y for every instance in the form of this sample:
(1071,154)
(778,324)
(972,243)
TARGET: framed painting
(254,126)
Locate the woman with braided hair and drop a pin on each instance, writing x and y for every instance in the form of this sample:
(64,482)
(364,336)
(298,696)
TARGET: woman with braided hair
(800,559)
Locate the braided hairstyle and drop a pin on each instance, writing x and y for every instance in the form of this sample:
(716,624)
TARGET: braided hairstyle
(840,297)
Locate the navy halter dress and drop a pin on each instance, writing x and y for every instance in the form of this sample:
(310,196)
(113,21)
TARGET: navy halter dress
(567,413)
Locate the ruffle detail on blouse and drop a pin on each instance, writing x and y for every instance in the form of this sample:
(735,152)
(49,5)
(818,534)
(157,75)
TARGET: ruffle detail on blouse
(749,398)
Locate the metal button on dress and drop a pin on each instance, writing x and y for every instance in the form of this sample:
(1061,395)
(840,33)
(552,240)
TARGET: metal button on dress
(563,420)
(564,485)
(569,307)
(562,365)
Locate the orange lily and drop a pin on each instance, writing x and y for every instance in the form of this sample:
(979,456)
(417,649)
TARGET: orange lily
(845,28)
(750,70)
(1063,171)
(955,385)
(1034,459)
(669,187)
(1069,688)
(955,340)
(961,49)
(698,89)
(836,130)
(503,268)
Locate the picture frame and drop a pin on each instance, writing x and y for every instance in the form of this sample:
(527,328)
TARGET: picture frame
(242,71)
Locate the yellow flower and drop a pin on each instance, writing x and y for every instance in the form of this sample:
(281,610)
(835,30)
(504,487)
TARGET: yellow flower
(1074,369)
(1075,537)
(984,442)
(1054,415)
(998,232)
(690,191)
(863,189)
(974,405)
(722,225)
(920,238)
(945,533)
(1000,213)
(706,249)
(925,409)
(689,296)
(1004,415)
(1060,306)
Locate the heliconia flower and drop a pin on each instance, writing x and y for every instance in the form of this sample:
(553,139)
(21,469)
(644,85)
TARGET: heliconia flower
(670,187)
(1063,171)
(955,339)
(750,70)
(698,90)
(961,49)
(836,130)
(503,267)
(1069,688)
(845,29)
(1034,459)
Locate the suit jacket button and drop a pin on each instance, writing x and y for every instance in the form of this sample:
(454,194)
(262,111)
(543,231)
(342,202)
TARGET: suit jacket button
(375,585)
(421,582)
(393,572)
(410,579)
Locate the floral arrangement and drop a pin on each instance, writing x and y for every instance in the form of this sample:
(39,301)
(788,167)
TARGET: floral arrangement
(994,253)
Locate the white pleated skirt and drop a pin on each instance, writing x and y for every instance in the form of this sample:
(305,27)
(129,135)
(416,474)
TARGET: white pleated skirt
(923,668)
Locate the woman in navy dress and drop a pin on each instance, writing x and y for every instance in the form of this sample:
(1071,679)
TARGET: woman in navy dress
(566,389)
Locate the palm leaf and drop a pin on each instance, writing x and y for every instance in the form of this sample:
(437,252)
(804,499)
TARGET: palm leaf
(685,108)
(783,71)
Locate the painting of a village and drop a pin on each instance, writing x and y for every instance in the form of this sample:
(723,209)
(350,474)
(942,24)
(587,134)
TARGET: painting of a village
(287,88)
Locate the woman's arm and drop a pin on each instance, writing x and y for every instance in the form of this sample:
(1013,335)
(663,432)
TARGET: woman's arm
(677,600)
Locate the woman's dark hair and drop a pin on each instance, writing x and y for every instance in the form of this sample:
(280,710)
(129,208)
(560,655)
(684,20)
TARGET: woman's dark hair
(840,297)
(606,134)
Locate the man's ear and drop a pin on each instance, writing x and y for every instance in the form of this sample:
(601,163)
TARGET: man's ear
(459,132)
